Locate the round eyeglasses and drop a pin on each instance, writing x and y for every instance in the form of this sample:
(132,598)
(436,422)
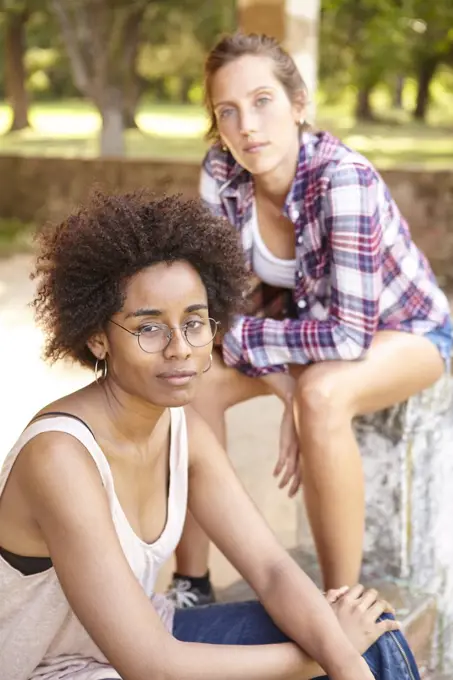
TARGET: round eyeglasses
(155,337)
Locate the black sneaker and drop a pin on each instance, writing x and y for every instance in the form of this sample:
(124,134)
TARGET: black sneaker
(185,596)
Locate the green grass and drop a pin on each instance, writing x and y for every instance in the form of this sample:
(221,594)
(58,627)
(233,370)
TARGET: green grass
(15,236)
(70,129)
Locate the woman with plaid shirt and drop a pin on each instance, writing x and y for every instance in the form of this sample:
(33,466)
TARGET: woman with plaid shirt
(347,317)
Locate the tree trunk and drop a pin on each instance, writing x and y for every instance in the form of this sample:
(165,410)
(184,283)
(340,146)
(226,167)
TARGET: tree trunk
(425,75)
(102,40)
(16,93)
(398,93)
(363,109)
(185,85)
(133,83)
(132,97)
(112,143)
(129,119)
(160,92)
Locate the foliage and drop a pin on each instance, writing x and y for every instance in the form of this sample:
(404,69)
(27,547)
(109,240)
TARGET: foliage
(433,31)
(363,44)
(366,42)
(15,236)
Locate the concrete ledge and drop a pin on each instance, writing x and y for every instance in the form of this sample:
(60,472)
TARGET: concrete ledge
(408,467)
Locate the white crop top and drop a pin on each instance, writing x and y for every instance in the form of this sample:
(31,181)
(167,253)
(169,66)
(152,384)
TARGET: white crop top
(269,268)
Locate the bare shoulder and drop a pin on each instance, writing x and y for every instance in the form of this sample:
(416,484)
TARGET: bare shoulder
(78,403)
(49,486)
(54,448)
(51,464)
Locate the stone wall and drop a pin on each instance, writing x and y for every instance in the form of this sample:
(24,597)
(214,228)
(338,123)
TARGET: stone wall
(39,189)
(46,188)
(426,200)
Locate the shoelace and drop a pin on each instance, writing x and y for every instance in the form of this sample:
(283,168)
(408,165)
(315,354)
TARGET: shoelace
(181,594)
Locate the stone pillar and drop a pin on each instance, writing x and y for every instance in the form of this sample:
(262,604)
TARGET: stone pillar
(262,16)
(408,465)
(295,24)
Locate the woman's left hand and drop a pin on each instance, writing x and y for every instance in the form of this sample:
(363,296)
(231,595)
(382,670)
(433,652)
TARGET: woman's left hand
(358,611)
(288,458)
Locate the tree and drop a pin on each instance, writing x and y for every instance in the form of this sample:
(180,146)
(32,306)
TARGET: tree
(367,42)
(15,19)
(363,42)
(432,44)
(102,38)
(178,36)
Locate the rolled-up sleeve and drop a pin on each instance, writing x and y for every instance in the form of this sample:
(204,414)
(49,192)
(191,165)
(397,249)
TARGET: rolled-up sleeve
(234,356)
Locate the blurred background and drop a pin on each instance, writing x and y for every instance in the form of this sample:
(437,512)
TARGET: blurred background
(385,70)
(88,79)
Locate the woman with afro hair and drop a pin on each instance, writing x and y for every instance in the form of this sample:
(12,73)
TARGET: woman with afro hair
(94,494)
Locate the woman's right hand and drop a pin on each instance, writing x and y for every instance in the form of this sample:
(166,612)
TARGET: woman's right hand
(358,611)
(289,459)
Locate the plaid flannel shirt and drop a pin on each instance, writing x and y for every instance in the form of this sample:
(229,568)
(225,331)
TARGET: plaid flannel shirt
(358,270)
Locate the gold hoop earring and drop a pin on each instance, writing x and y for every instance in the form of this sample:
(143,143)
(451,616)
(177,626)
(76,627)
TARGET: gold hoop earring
(210,364)
(104,369)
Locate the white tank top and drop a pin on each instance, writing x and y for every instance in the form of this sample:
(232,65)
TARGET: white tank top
(269,268)
(40,636)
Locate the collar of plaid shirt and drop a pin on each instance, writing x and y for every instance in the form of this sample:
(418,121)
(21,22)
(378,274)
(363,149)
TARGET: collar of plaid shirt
(237,192)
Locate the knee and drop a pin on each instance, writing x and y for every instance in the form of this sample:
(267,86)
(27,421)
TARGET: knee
(321,401)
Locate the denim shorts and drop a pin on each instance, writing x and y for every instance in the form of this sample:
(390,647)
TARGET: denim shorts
(442,337)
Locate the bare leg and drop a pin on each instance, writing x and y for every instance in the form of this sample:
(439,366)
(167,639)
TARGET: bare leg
(192,553)
(224,387)
(328,397)
(334,494)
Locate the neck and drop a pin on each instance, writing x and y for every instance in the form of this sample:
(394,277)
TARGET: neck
(276,183)
(131,419)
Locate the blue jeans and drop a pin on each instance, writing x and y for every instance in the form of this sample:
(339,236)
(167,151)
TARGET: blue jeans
(247,623)
(442,337)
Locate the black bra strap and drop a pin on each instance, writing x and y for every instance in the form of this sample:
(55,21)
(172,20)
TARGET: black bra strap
(28,566)
(63,413)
